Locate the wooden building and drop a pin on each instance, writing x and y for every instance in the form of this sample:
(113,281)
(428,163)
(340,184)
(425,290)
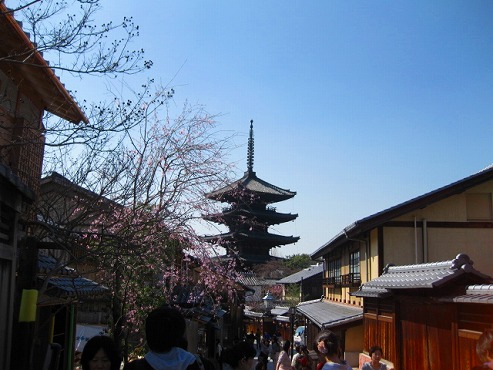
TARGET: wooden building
(475,309)
(28,88)
(410,312)
(342,319)
(456,218)
(308,281)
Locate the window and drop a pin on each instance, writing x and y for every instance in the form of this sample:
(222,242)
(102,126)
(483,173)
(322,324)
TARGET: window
(354,267)
(334,270)
(354,276)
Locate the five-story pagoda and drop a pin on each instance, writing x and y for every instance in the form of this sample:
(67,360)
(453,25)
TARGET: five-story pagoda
(248,216)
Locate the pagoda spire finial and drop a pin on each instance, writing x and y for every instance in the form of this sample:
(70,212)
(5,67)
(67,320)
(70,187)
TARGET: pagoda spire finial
(250,149)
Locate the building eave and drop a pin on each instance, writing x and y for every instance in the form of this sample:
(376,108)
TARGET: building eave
(34,70)
(368,223)
(251,183)
(266,238)
(269,216)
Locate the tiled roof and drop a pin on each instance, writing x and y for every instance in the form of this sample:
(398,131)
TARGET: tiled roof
(482,293)
(371,292)
(74,287)
(49,265)
(303,274)
(279,310)
(251,182)
(261,237)
(248,279)
(63,184)
(203,313)
(329,314)
(254,314)
(262,215)
(64,281)
(426,275)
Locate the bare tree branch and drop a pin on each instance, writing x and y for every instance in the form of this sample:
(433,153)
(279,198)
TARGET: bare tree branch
(68,35)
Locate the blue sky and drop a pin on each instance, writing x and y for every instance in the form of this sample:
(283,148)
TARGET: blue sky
(357,105)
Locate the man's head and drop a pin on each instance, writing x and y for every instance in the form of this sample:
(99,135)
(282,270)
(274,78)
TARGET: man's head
(165,328)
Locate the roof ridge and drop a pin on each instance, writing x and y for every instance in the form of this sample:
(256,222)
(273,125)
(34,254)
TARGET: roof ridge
(461,261)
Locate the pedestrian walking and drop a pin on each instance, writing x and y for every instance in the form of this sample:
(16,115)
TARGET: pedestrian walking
(165,334)
(240,356)
(100,353)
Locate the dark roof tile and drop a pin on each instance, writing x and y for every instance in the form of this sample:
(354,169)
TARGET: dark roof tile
(74,287)
(329,314)
(303,274)
(49,265)
(426,275)
(482,293)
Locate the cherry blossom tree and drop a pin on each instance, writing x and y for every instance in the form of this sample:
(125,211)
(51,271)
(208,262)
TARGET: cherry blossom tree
(132,227)
(137,171)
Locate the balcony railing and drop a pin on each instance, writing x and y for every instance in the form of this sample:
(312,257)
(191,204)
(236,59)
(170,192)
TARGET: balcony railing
(351,280)
(332,282)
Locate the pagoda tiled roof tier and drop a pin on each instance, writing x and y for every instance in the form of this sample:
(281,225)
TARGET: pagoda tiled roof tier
(246,258)
(267,216)
(250,183)
(263,239)
(248,217)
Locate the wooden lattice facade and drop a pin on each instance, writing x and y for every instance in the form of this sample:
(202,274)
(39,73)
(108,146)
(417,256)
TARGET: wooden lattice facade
(422,317)
(420,333)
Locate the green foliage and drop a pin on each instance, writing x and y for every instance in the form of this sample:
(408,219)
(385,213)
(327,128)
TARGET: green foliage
(298,261)
(292,295)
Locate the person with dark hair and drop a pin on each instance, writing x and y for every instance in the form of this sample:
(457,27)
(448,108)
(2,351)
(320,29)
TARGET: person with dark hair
(283,361)
(305,360)
(328,347)
(240,356)
(320,356)
(262,361)
(202,362)
(484,350)
(264,347)
(375,364)
(165,334)
(100,353)
(275,349)
(296,356)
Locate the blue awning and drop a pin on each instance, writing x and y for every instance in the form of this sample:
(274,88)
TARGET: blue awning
(66,287)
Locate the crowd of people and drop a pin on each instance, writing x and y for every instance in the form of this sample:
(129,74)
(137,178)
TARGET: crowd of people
(169,351)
